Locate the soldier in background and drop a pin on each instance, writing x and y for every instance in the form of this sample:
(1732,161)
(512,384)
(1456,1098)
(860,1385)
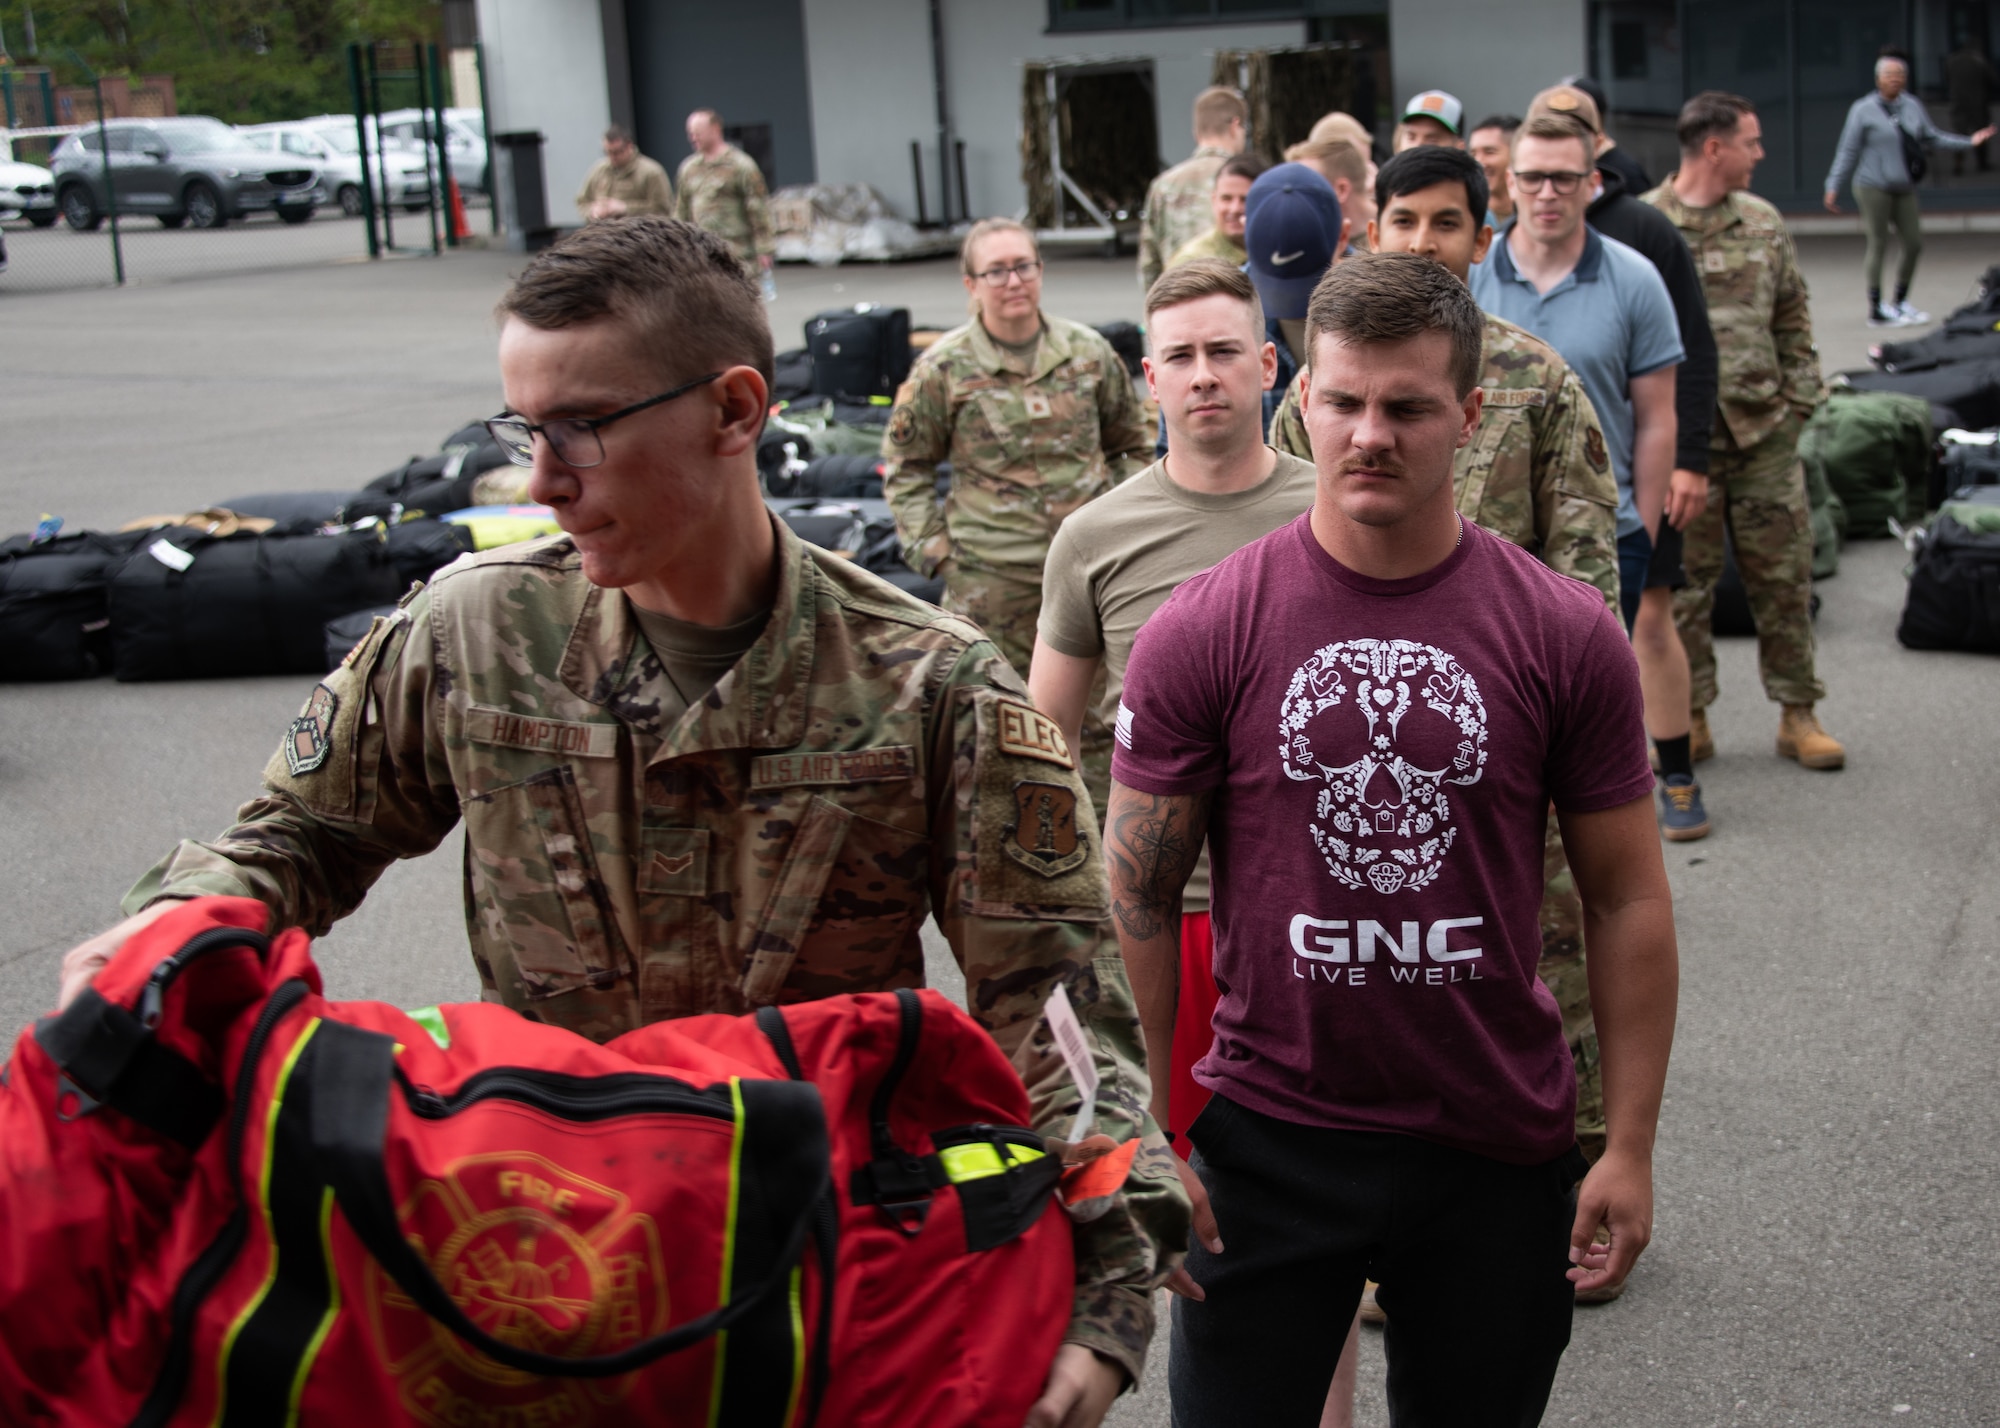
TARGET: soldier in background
(618,714)
(1432,117)
(1036,415)
(1536,473)
(1348,170)
(1770,386)
(624,183)
(722,190)
(1227,203)
(1492,143)
(1177,202)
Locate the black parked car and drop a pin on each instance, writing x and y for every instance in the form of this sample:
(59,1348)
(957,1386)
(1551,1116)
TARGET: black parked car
(187,170)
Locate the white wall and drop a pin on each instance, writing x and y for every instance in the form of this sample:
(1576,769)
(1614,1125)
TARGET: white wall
(870,69)
(545,71)
(1494,57)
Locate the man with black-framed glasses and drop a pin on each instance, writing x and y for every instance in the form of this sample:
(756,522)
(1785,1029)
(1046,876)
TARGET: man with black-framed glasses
(704,767)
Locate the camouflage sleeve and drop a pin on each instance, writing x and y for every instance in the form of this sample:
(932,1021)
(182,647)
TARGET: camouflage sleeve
(1791,331)
(1576,496)
(1288,426)
(659,197)
(1152,239)
(1125,436)
(359,780)
(587,195)
(757,211)
(1019,888)
(918,439)
(684,197)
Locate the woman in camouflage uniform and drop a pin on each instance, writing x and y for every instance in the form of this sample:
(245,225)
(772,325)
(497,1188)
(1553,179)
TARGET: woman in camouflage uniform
(1036,415)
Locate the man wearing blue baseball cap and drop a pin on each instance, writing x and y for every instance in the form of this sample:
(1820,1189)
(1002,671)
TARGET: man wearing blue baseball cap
(1293,231)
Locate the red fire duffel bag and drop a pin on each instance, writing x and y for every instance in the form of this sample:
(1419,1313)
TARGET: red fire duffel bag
(227,1201)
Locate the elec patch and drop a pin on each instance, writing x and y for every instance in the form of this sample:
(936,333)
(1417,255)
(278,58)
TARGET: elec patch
(310,738)
(1031,734)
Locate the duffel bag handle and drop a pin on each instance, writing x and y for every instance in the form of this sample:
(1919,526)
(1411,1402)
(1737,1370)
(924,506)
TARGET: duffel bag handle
(783,1148)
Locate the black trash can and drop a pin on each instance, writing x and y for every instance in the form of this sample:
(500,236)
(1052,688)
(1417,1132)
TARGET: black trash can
(521,191)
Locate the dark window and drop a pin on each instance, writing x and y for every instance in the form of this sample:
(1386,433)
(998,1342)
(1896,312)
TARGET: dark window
(1151,14)
(1628,49)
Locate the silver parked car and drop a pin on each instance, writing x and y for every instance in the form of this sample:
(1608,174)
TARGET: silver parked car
(331,145)
(187,170)
(464,140)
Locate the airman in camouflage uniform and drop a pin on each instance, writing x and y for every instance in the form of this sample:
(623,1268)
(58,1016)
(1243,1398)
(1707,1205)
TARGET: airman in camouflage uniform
(1212,244)
(628,859)
(1178,209)
(725,195)
(1537,473)
(1770,384)
(1029,440)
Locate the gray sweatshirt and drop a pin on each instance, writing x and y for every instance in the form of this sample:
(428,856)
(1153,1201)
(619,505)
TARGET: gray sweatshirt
(1871,153)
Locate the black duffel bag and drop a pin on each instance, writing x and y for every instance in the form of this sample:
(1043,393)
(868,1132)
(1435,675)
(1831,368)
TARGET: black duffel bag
(859,352)
(54,619)
(438,484)
(343,634)
(840,476)
(1954,597)
(189,606)
(421,548)
(1962,463)
(1963,394)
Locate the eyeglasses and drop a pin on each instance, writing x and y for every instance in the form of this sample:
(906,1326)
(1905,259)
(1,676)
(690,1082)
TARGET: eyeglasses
(1564,184)
(997,277)
(573,439)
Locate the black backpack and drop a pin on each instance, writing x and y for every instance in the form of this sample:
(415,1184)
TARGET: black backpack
(859,352)
(1954,597)
(54,618)
(1965,394)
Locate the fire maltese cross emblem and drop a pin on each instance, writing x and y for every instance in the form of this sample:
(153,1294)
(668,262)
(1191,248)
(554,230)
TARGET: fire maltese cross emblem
(1384,727)
(538,1257)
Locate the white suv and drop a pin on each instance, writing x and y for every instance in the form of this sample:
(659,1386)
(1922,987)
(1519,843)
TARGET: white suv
(330,143)
(464,141)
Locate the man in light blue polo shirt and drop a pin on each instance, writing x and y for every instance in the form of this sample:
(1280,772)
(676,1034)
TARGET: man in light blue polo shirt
(1606,310)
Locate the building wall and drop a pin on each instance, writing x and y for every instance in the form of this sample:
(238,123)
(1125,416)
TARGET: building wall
(1494,57)
(745,59)
(870,71)
(545,71)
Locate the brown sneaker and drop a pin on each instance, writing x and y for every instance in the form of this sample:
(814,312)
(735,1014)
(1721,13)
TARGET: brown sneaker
(1701,743)
(1371,1312)
(1801,737)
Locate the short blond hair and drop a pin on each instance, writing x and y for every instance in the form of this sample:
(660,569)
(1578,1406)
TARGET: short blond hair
(1216,108)
(1336,158)
(1552,124)
(1205,277)
(1336,125)
(985,228)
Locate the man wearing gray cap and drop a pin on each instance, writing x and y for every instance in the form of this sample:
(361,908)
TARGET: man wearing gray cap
(1432,117)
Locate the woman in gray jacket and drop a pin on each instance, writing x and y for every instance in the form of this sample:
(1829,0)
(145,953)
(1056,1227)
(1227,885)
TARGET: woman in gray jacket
(1871,153)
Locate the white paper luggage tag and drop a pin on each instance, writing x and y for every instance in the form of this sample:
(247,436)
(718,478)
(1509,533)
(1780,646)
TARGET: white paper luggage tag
(169,554)
(1075,1049)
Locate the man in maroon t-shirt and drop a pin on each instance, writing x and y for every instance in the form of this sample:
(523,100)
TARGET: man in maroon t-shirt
(1368,713)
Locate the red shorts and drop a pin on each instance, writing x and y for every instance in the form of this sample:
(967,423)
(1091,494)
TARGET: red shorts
(1194,1018)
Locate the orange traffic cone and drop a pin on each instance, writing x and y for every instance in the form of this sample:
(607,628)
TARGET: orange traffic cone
(460,227)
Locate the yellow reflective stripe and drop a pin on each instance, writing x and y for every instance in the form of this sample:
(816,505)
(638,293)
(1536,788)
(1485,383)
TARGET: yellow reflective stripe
(981,1159)
(318,1340)
(798,1345)
(728,1247)
(264,1209)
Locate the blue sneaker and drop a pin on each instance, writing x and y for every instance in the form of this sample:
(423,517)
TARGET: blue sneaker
(1682,818)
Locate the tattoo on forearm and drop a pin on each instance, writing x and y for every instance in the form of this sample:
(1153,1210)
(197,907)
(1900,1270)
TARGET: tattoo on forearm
(1151,848)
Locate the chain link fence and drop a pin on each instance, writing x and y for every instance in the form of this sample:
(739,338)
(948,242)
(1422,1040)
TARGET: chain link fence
(136,199)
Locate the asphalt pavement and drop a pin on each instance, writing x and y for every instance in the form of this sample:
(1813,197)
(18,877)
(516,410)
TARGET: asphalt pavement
(1826,1250)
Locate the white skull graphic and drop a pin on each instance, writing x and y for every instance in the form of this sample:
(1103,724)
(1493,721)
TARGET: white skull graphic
(1385,725)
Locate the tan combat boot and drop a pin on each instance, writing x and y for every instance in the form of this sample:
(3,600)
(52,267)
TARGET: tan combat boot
(1701,743)
(1800,737)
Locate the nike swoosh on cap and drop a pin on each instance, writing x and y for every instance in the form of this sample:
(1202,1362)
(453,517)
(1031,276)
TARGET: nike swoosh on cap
(1278,260)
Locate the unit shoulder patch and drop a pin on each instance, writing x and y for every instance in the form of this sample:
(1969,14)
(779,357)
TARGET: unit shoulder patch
(1043,836)
(309,740)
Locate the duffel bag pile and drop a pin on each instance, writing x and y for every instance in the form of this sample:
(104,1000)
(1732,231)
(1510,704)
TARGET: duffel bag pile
(225,1200)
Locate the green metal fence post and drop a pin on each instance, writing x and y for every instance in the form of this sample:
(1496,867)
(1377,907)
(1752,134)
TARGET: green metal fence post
(361,142)
(486,124)
(110,190)
(443,147)
(381,152)
(425,102)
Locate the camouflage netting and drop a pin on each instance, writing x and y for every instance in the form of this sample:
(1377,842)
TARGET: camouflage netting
(1288,90)
(1109,135)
